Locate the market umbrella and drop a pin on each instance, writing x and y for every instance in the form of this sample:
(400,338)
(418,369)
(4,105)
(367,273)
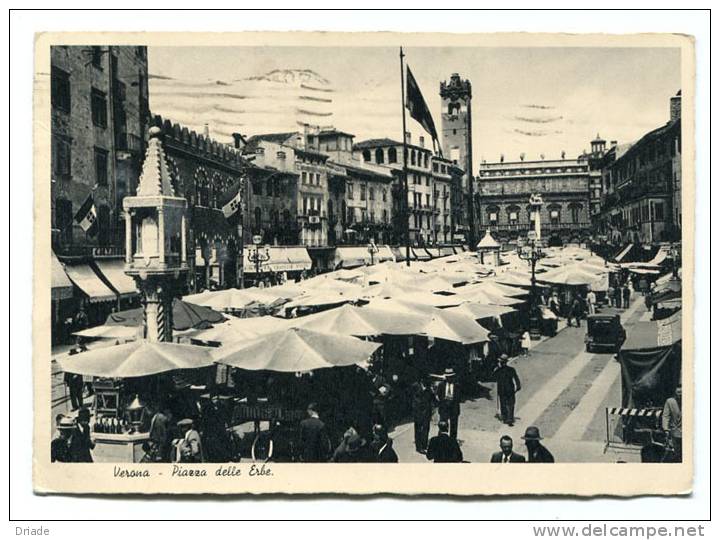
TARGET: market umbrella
(105,331)
(568,276)
(233,299)
(515,278)
(321,298)
(355,321)
(185,316)
(455,327)
(235,329)
(485,297)
(296,350)
(477,310)
(137,359)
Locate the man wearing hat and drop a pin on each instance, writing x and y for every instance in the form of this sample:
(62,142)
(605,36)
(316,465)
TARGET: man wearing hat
(80,441)
(508,383)
(449,401)
(189,448)
(537,453)
(314,441)
(60,445)
(423,400)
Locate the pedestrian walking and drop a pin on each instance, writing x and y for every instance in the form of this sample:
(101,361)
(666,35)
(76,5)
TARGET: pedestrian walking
(381,447)
(74,383)
(525,343)
(618,297)
(508,384)
(506,454)
(449,401)
(626,295)
(81,443)
(423,400)
(443,448)
(672,422)
(159,449)
(554,304)
(610,295)
(60,445)
(314,442)
(590,299)
(537,453)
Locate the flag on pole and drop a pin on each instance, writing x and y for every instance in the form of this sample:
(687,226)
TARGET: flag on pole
(233,198)
(415,103)
(87,216)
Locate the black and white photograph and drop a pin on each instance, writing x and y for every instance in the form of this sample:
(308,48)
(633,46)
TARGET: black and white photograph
(262,258)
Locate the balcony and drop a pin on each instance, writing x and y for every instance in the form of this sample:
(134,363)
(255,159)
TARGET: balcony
(518,227)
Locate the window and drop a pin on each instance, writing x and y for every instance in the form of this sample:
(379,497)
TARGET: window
(384,195)
(97,57)
(575,212)
(366,155)
(60,89)
(372,216)
(305,206)
(425,161)
(98,104)
(258,218)
(392,155)
(427,181)
(101,167)
(64,220)
(371,193)
(659,211)
(427,199)
(379,156)
(103,233)
(350,191)
(304,177)
(61,155)
(385,215)
(363,194)
(412,157)
(281,155)
(554,214)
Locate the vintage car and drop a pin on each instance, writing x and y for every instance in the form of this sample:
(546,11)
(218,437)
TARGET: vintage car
(604,332)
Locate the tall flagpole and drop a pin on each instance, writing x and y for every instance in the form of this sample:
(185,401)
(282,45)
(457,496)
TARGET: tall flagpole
(406,190)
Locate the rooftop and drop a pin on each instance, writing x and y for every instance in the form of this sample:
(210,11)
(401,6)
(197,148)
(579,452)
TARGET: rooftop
(279,138)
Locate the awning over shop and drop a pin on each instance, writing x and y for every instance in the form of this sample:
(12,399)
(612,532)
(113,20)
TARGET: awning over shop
(114,272)
(620,256)
(446,251)
(282,259)
(352,257)
(62,287)
(90,283)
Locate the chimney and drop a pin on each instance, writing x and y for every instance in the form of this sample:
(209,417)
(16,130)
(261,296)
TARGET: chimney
(421,141)
(408,137)
(239,141)
(675,106)
(206,131)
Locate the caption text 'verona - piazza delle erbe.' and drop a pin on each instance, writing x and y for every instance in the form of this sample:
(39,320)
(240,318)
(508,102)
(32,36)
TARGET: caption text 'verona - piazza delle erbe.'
(177,470)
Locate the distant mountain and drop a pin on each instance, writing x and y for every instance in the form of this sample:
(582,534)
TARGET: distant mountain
(291,76)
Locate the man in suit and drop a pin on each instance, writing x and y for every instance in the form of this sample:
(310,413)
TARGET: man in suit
(314,441)
(80,441)
(537,453)
(506,454)
(508,383)
(60,445)
(381,447)
(443,448)
(449,401)
(422,409)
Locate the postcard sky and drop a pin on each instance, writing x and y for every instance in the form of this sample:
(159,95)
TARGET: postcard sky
(525,100)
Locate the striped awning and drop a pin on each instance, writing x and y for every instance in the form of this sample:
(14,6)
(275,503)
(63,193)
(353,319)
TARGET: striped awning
(114,273)
(89,282)
(282,259)
(62,287)
(627,411)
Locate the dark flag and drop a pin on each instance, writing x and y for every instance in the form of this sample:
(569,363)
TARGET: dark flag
(232,201)
(86,217)
(415,103)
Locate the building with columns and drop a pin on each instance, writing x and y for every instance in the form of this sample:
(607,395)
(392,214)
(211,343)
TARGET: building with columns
(504,190)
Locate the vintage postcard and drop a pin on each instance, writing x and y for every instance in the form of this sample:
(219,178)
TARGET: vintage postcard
(446,264)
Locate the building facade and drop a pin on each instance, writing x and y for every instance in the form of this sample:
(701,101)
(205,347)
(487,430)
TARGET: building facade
(504,191)
(204,171)
(442,175)
(456,140)
(641,200)
(99,113)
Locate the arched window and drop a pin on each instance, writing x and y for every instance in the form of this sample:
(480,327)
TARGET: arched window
(453,108)
(513,213)
(392,155)
(366,155)
(258,218)
(554,211)
(493,215)
(379,155)
(575,209)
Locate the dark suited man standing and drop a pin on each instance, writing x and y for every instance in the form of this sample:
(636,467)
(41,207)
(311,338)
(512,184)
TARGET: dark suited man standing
(508,383)
(449,401)
(506,454)
(537,453)
(314,441)
(443,448)
(423,400)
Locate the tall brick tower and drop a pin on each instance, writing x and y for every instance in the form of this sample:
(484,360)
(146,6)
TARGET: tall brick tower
(456,96)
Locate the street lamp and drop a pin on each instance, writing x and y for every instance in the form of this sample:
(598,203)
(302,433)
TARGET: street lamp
(256,256)
(372,250)
(532,254)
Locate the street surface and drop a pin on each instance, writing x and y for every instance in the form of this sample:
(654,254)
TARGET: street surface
(564,392)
